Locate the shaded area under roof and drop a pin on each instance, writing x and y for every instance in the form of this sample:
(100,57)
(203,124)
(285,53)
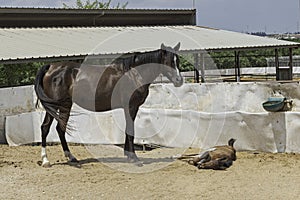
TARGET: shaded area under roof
(21,44)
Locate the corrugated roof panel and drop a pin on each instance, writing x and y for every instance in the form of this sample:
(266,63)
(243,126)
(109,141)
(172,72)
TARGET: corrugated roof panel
(26,43)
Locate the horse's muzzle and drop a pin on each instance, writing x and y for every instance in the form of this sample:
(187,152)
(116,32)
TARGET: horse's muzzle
(177,81)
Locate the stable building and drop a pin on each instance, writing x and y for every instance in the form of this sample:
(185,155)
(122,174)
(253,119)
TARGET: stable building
(49,34)
(207,114)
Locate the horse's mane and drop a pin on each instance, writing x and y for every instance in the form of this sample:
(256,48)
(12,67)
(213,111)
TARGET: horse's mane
(125,60)
(148,57)
(131,60)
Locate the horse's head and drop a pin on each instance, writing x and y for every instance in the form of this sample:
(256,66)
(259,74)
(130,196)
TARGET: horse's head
(171,60)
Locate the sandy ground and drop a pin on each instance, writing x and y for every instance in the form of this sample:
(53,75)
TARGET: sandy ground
(252,176)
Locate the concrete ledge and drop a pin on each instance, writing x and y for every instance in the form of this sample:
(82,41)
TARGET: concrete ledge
(268,132)
(192,115)
(15,100)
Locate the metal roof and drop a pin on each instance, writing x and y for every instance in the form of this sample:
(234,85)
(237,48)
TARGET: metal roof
(58,17)
(42,43)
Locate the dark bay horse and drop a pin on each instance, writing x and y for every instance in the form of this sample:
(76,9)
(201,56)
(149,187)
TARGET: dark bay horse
(122,84)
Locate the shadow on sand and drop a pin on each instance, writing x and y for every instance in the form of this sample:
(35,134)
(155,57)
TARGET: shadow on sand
(110,160)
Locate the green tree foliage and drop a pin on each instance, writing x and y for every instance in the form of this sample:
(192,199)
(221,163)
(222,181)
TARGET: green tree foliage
(18,74)
(186,63)
(96,5)
(226,59)
(254,58)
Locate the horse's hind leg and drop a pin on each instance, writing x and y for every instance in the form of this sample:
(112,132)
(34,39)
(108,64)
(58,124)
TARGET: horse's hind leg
(45,130)
(62,137)
(202,158)
(129,139)
(61,130)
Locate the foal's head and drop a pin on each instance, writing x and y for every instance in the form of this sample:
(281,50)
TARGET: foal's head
(170,59)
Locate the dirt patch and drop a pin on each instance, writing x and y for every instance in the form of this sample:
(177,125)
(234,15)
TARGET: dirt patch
(252,176)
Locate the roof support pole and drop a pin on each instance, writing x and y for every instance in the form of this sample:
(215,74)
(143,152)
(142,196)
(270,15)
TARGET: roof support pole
(202,67)
(196,68)
(237,66)
(291,63)
(277,64)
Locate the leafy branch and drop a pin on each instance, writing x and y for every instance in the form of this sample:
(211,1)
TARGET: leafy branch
(96,5)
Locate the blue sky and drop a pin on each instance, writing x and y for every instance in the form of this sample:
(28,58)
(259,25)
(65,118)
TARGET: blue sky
(272,16)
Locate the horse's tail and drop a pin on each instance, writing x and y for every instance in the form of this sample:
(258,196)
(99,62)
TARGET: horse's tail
(50,105)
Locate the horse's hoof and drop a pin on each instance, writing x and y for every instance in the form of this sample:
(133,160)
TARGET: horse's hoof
(199,166)
(73,160)
(46,164)
(132,158)
(139,163)
(136,162)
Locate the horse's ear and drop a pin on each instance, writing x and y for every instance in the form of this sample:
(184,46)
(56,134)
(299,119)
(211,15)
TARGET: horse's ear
(176,48)
(136,59)
(162,46)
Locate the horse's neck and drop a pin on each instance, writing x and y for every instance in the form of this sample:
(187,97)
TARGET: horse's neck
(148,64)
(147,73)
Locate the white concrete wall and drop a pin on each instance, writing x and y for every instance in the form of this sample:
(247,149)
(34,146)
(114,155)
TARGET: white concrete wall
(15,100)
(192,115)
(243,71)
(221,97)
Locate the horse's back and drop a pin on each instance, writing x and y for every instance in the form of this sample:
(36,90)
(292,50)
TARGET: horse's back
(86,85)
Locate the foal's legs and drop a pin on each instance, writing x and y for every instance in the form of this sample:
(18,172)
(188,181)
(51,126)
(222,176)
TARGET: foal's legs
(45,130)
(61,130)
(205,157)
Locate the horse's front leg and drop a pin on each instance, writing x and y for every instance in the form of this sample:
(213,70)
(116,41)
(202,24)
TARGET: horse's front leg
(129,150)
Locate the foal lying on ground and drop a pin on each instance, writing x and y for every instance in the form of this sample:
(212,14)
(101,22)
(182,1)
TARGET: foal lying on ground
(217,158)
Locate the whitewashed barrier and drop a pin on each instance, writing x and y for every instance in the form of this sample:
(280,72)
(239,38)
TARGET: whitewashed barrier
(243,71)
(192,115)
(15,100)
(269,132)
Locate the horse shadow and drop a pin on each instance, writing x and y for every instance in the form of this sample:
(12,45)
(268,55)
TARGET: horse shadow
(114,160)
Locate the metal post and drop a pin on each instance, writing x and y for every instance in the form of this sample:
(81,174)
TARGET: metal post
(291,64)
(196,68)
(202,68)
(237,66)
(277,64)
